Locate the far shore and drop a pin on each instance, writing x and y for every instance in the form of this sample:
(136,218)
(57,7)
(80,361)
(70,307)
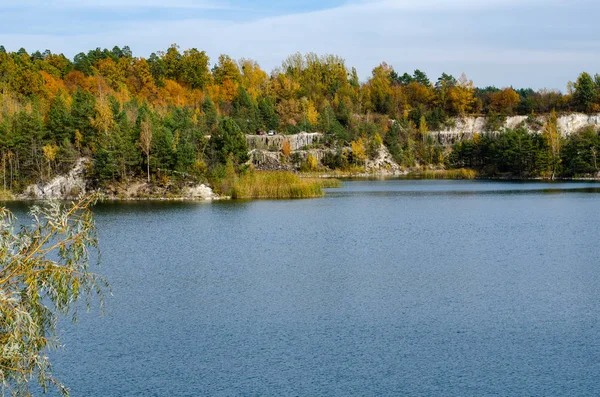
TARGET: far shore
(7,197)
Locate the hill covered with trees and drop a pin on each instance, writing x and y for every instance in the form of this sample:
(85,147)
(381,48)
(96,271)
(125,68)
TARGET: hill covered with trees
(151,117)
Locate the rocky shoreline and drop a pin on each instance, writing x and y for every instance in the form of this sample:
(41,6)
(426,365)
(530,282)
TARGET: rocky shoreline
(74,184)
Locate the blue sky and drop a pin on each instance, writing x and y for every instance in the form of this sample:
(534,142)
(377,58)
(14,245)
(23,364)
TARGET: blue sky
(537,43)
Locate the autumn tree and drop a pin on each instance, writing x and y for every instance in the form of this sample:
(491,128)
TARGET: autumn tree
(504,101)
(380,92)
(103,120)
(462,95)
(423,130)
(553,139)
(254,80)
(359,151)
(140,80)
(50,151)
(286,148)
(309,113)
(311,162)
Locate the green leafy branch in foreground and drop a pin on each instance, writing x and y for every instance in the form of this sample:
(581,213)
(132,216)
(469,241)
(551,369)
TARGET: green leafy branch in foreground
(44,271)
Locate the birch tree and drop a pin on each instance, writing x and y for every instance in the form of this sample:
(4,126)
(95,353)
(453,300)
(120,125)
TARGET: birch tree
(146,143)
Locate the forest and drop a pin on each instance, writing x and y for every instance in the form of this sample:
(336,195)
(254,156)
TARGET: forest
(152,117)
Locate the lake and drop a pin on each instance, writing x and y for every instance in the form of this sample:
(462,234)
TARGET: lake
(395,287)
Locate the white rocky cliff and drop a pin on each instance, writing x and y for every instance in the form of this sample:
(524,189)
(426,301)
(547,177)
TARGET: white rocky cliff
(275,142)
(467,127)
(61,187)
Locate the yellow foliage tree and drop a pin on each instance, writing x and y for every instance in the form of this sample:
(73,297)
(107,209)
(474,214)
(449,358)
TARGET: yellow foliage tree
(552,135)
(359,151)
(50,151)
(145,143)
(113,73)
(285,87)
(254,80)
(312,162)
(417,94)
(173,93)
(286,148)
(309,111)
(462,96)
(103,121)
(380,89)
(423,130)
(53,84)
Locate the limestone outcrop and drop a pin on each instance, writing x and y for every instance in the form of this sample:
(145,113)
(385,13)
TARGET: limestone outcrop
(143,190)
(200,192)
(383,162)
(61,187)
(268,161)
(275,142)
(466,127)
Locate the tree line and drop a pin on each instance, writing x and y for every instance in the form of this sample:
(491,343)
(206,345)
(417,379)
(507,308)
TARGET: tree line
(151,116)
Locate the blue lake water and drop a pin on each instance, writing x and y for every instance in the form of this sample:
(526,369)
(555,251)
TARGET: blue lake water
(432,288)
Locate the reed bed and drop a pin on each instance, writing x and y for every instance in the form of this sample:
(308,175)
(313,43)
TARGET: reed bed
(460,173)
(277,185)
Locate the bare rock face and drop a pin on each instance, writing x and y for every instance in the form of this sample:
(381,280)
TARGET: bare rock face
(275,142)
(383,162)
(573,122)
(318,154)
(61,187)
(265,160)
(467,127)
(463,128)
(142,190)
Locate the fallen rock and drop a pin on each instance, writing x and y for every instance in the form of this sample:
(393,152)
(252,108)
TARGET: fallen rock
(200,192)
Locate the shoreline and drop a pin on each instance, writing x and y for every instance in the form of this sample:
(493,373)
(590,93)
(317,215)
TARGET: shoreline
(340,176)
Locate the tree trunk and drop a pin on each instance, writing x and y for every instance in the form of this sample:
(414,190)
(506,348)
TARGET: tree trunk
(148,165)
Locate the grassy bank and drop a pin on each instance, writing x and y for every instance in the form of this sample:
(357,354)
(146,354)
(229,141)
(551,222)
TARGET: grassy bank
(5,195)
(274,185)
(461,173)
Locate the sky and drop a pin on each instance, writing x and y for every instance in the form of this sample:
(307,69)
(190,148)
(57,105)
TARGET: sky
(519,43)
